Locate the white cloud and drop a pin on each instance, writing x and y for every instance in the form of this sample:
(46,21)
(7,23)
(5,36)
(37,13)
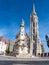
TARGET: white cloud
(3,31)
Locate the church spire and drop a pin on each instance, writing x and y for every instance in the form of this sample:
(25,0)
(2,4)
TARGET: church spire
(22,24)
(34,12)
(33,8)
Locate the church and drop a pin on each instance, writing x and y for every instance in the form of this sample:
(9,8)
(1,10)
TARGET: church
(25,44)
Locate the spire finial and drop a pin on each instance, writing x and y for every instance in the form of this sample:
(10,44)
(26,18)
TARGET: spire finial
(22,24)
(33,7)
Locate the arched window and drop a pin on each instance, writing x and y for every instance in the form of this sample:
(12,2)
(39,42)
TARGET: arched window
(33,24)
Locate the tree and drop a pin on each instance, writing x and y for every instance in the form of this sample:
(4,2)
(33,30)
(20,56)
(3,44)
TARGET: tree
(47,39)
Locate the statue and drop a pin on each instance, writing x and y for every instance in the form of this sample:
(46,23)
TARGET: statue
(47,39)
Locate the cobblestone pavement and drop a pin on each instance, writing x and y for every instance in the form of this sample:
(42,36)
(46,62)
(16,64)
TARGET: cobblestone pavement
(14,61)
(24,63)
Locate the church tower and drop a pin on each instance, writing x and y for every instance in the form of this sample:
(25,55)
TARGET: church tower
(34,35)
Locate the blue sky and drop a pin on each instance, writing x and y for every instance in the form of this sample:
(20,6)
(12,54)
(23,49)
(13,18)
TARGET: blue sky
(12,12)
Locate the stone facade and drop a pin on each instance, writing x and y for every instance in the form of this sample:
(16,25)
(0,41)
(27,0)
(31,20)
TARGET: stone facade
(3,45)
(41,49)
(34,34)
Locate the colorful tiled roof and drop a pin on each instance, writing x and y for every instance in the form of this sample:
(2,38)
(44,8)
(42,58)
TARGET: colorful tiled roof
(4,39)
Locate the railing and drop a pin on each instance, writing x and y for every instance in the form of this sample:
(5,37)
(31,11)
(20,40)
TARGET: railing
(43,55)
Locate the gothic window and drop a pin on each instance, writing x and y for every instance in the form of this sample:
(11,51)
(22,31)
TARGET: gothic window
(33,24)
(33,30)
(36,35)
(36,24)
(33,37)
